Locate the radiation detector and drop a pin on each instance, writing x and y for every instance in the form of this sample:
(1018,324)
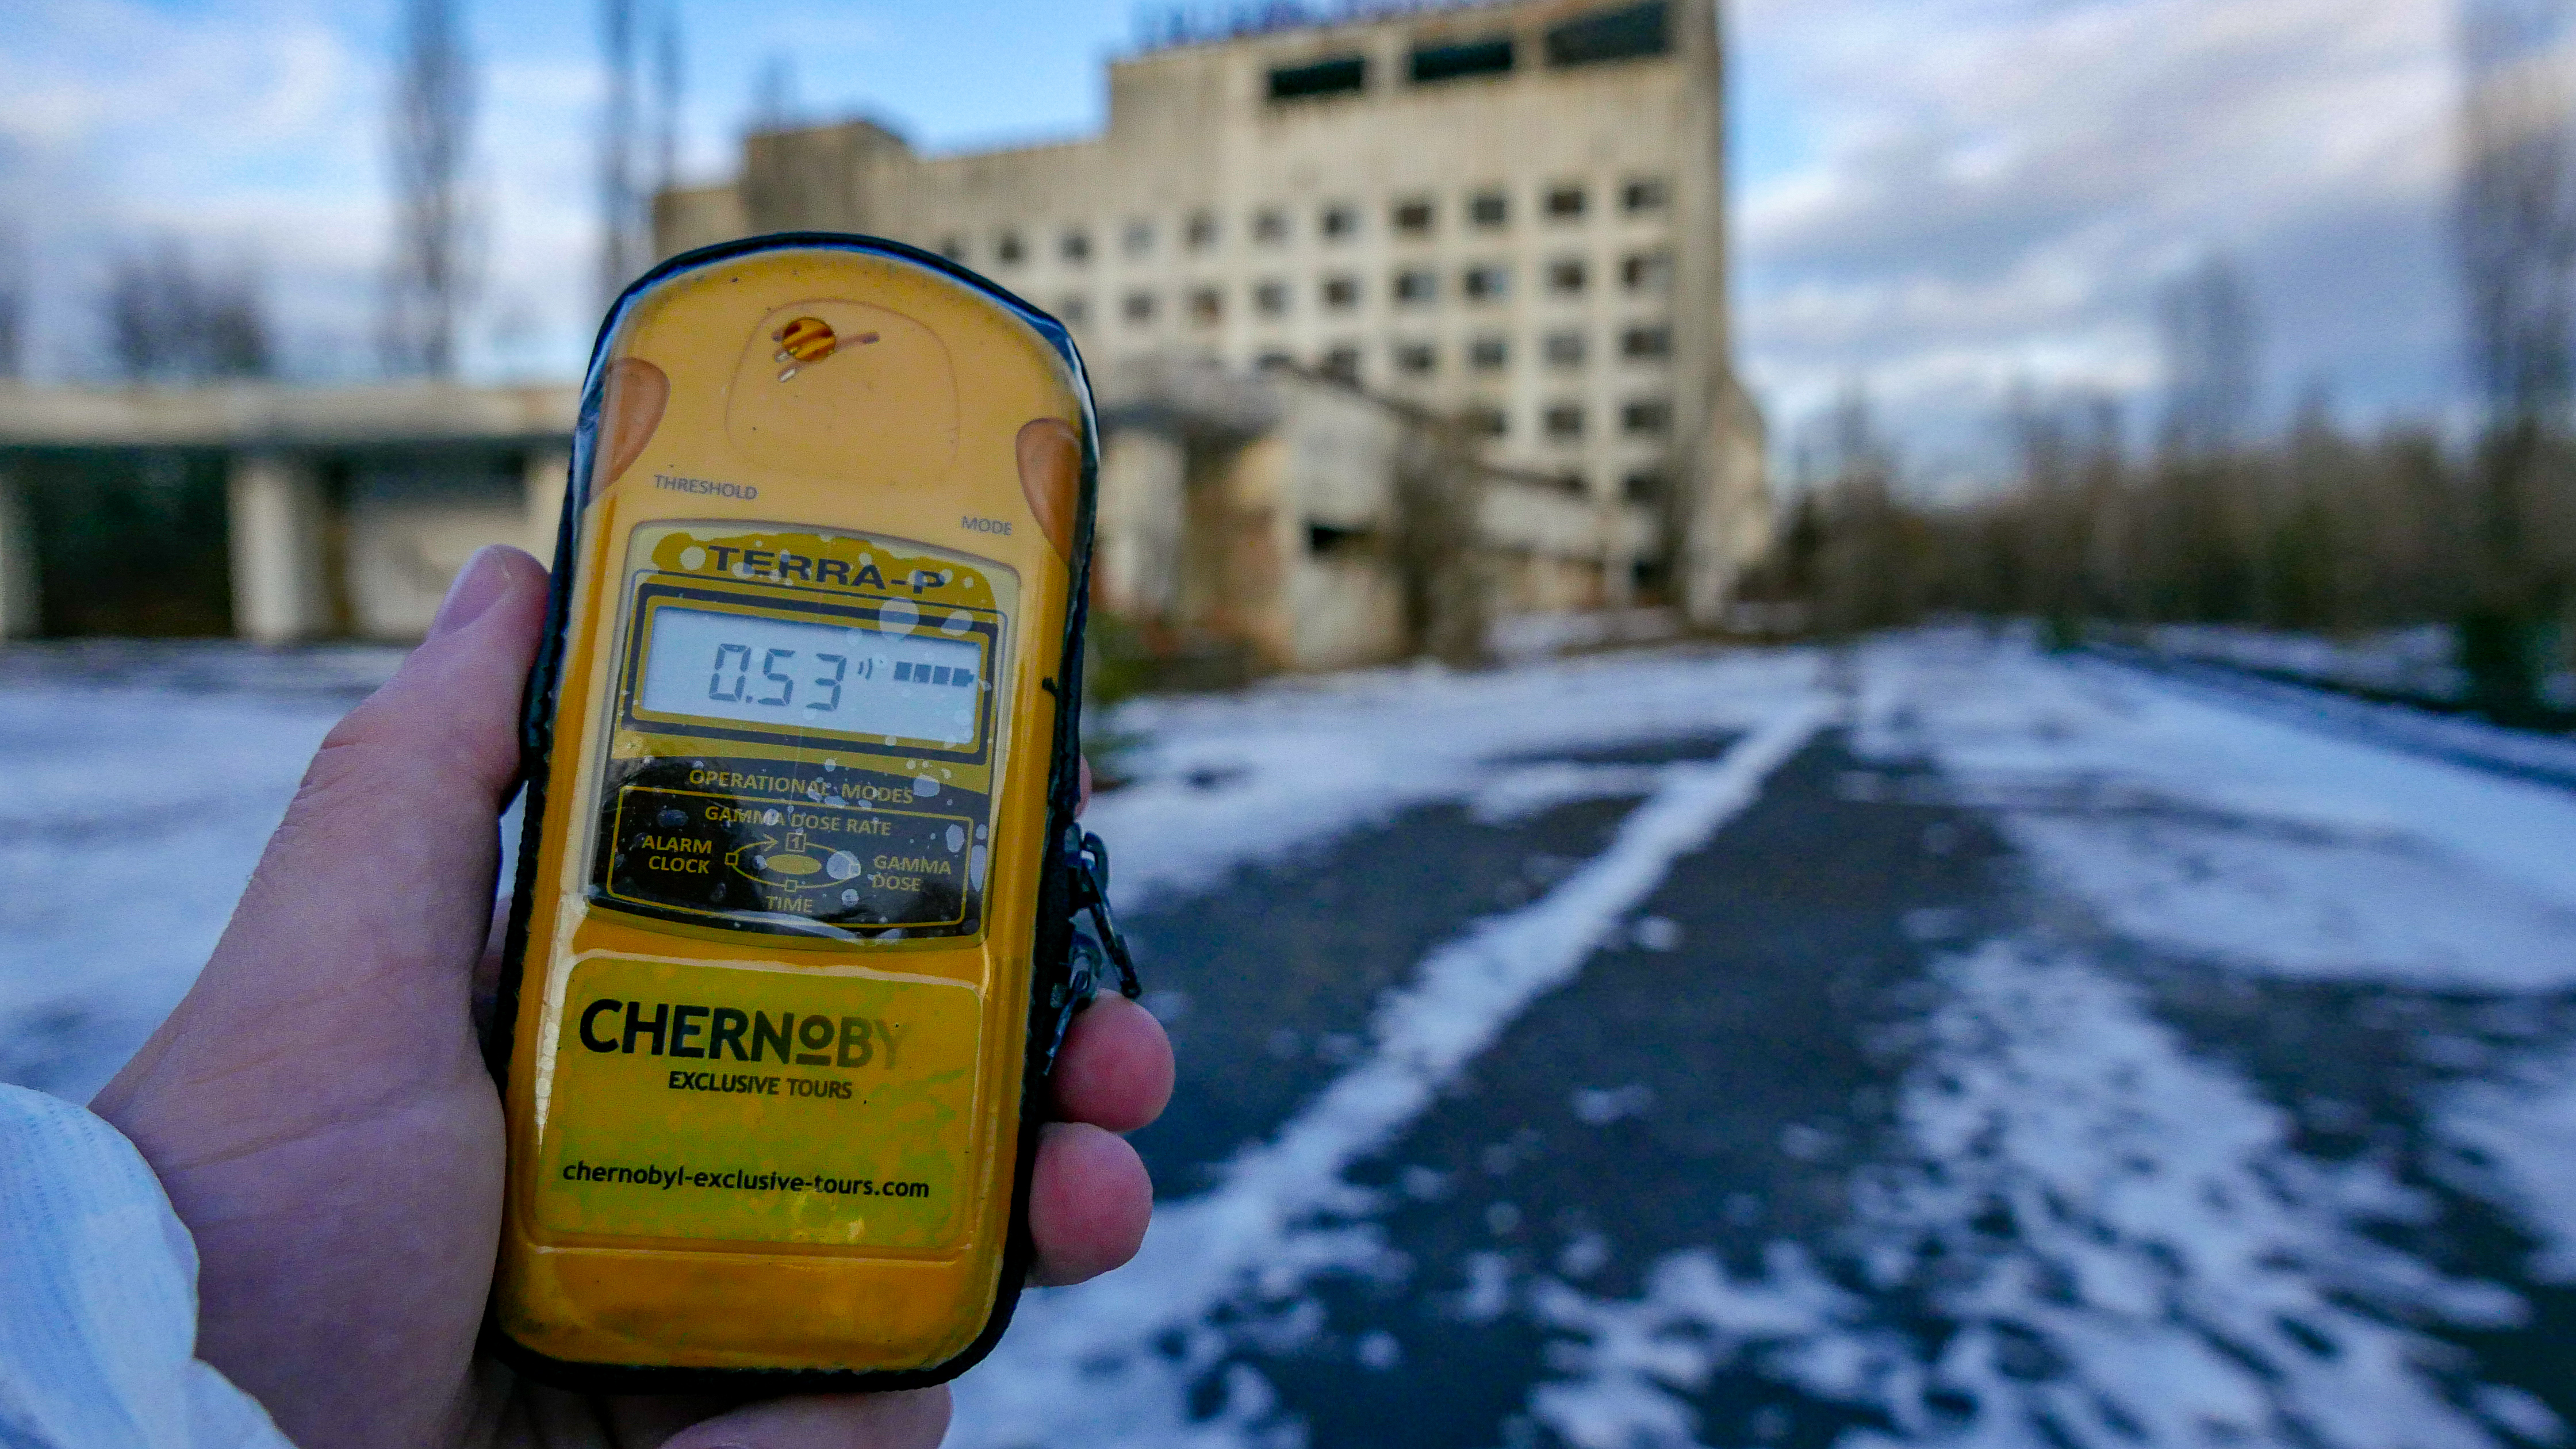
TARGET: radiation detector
(794,935)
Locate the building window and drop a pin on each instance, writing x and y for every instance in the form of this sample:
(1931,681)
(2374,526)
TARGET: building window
(1564,203)
(1649,342)
(1416,358)
(1270,226)
(1652,415)
(1341,293)
(1412,216)
(1643,194)
(1274,361)
(1563,349)
(1488,354)
(1416,284)
(1624,32)
(1647,272)
(1565,276)
(1271,298)
(1338,75)
(1460,59)
(1202,230)
(1325,539)
(1564,421)
(1073,311)
(1340,222)
(953,248)
(1139,307)
(1008,248)
(1138,238)
(1489,283)
(1207,306)
(1486,421)
(1075,246)
(1342,364)
(1644,486)
(1489,208)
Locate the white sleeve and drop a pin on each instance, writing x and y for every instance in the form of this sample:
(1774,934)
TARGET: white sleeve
(98,1297)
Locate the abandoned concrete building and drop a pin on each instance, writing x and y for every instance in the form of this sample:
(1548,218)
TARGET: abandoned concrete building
(1403,326)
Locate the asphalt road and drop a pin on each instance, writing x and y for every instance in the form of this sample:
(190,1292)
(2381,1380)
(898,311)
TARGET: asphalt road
(1727,1082)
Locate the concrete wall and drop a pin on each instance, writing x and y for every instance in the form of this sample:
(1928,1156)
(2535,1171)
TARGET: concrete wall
(1195,140)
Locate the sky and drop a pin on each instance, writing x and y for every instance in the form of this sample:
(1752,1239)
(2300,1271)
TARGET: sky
(1935,202)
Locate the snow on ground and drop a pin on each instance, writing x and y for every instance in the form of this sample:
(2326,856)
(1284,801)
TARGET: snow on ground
(2214,832)
(2421,662)
(143,782)
(1090,1365)
(2179,1273)
(1234,780)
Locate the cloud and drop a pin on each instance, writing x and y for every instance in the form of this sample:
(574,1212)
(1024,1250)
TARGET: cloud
(1991,193)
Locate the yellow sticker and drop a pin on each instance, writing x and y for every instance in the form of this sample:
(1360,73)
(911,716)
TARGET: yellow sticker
(761,1106)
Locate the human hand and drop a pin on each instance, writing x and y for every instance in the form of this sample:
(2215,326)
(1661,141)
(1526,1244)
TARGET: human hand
(318,1110)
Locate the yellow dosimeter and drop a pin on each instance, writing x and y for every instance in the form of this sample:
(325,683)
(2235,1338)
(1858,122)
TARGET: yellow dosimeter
(793,942)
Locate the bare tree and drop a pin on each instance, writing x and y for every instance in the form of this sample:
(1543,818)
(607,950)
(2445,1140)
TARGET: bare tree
(431,131)
(170,319)
(2517,252)
(621,248)
(2208,329)
(13,304)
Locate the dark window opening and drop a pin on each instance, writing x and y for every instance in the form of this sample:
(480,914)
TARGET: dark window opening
(1413,216)
(1008,248)
(1416,357)
(1139,238)
(1270,226)
(1564,349)
(1073,311)
(1340,221)
(1486,284)
(1488,354)
(1207,304)
(953,248)
(1645,486)
(1628,32)
(1274,361)
(1487,422)
(1202,231)
(1271,298)
(1337,76)
(1076,246)
(1566,275)
(1653,416)
(1140,307)
(1565,202)
(1565,420)
(1342,364)
(1325,539)
(1647,272)
(1488,208)
(1416,285)
(1645,195)
(1492,56)
(1341,292)
(1647,342)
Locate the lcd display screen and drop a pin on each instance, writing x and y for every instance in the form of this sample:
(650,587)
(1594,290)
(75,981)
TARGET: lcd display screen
(793,676)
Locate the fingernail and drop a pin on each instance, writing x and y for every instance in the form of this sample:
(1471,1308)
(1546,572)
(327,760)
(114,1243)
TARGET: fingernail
(483,580)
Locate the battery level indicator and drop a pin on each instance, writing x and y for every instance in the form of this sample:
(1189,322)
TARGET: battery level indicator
(908,673)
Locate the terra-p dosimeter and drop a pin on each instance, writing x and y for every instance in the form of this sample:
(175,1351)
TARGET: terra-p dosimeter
(794,935)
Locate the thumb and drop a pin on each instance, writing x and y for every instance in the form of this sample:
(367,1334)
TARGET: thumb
(368,910)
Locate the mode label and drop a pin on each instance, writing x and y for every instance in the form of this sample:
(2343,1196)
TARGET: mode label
(859,866)
(765,1106)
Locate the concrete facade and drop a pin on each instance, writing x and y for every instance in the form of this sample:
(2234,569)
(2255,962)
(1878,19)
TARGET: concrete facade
(347,511)
(1510,215)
